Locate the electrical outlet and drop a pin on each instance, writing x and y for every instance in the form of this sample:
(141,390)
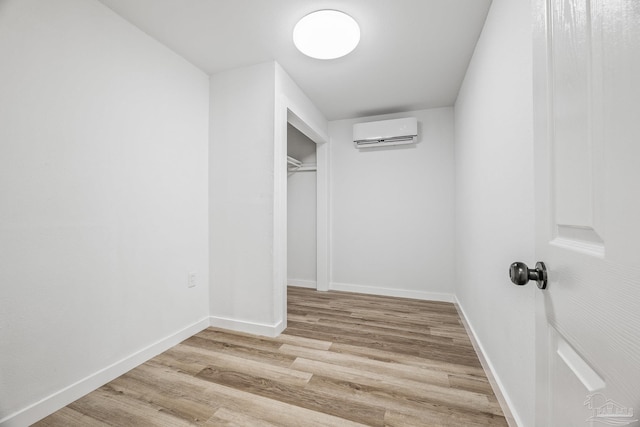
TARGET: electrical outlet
(191,280)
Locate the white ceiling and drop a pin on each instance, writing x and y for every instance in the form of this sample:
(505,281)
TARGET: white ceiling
(413,53)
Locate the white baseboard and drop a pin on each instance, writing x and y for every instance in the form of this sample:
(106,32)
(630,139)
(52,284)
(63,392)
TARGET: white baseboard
(247,327)
(73,392)
(498,388)
(301,283)
(389,292)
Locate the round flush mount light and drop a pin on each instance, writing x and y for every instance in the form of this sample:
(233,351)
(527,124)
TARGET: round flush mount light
(326,34)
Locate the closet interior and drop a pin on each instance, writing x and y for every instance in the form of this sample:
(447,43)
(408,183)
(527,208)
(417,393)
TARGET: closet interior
(301,209)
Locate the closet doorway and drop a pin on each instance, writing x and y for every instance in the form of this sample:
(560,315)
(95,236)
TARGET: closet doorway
(289,114)
(301,210)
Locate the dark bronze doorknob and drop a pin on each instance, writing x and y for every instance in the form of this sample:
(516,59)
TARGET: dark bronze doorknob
(520,274)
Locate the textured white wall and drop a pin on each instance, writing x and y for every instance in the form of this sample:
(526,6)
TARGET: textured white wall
(392,211)
(301,213)
(241,194)
(103,194)
(494,199)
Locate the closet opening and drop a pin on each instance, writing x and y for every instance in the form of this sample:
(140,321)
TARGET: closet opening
(309,233)
(301,210)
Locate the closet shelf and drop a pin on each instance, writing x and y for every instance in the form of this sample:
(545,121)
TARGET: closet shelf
(295,165)
(293,162)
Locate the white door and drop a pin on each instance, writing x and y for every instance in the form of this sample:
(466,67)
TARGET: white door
(587,157)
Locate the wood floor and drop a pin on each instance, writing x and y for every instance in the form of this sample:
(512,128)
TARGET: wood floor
(344,360)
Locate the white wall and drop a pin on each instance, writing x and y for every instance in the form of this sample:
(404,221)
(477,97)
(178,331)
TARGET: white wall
(241,196)
(494,199)
(299,146)
(103,201)
(392,210)
(301,213)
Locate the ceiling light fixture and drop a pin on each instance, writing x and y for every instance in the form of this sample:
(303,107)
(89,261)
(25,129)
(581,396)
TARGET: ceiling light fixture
(326,34)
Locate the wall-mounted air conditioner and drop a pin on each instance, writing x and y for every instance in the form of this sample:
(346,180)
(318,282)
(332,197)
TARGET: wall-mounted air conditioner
(385,132)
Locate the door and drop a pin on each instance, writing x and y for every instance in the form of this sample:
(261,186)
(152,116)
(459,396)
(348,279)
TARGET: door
(587,157)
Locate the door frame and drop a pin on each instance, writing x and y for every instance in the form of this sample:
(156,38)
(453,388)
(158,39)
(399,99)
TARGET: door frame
(287,112)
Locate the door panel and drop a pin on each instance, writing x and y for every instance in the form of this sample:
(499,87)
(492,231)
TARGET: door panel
(576,144)
(587,154)
(568,369)
(570,103)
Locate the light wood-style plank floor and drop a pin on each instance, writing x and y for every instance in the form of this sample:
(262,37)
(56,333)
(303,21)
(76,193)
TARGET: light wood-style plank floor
(344,360)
